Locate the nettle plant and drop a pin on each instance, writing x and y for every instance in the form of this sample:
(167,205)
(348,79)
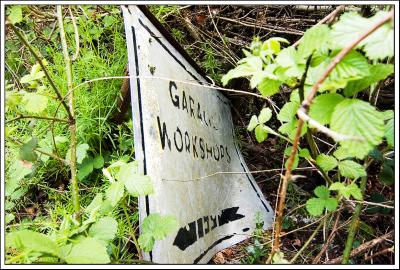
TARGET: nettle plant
(85,234)
(339,109)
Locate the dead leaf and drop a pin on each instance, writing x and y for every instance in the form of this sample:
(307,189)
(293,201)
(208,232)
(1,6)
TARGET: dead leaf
(219,258)
(297,242)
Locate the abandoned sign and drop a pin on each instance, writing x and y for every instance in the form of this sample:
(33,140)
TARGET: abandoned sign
(184,139)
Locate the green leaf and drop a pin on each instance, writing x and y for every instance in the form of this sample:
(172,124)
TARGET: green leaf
(359,119)
(304,153)
(30,241)
(322,192)
(388,114)
(315,206)
(386,176)
(279,258)
(104,229)
(313,39)
(95,204)
(289,59)
(288,111)
(253,123)
(265,115)
(88,251)
(322,107)
(268,87)
(347,190)
(341,153)
(9,217)
(351,169)
(378,45)
(378,72)
(389,132)
(15,174)
(98,162)
(261,133)
(352,67)
(159,226)
(15,15)
(27,150)
(81,152)
(136,184)
(146,241)
(247,67)
(115,192)
(85,168)
(34,103)
(326,162)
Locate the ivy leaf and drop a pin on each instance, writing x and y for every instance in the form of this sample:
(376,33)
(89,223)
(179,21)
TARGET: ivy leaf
(98,162)
(30,241)
(326,162)
(115,192)
(378,72)
(316,206)
(104,229)
(351,25)
(351,169)
(27,150)
(34,103)
(347,190)
(15,15)
(359,119)
(136,184)
(322,107)
(265,115)
(313,39)
(261,133)
(88,251)
(253,123)
(389,132)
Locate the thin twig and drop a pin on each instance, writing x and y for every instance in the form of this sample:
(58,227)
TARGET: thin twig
(37,117)
(76,34)
(36,56)
(304,108)
(386,250)
(363,247)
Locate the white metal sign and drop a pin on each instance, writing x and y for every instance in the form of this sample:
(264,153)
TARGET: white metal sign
(184,139)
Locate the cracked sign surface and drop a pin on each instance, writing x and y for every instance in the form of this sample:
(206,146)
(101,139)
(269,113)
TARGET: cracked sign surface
(184,138)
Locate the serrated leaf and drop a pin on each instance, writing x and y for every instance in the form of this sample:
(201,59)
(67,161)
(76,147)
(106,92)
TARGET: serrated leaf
(30,241)
(95,204)
(341,153)
(253,123)
(136,184)
(34,103)
(322,192)
(315,206)
(322,107)
(351,25)
(357,118)
(304,153)
(98,162)
(326,162)
(268,87)
(104,229)
(88,251)
(85,168)
(146,241)
(159,226)
(81,152)
(352,67)
(331,204)
(247,67)
(261,133)
(9,217)
(289,59)
(265,115)
(27,150)
(378,72)
(351,169)
(15,15)
(115,192)
(389,132)
(288,111)
(347,190)
(313,39)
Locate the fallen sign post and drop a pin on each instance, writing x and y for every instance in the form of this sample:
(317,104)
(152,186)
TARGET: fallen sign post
(184,140)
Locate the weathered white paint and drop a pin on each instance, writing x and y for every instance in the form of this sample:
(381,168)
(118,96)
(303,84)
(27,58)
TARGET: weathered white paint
(191,201)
